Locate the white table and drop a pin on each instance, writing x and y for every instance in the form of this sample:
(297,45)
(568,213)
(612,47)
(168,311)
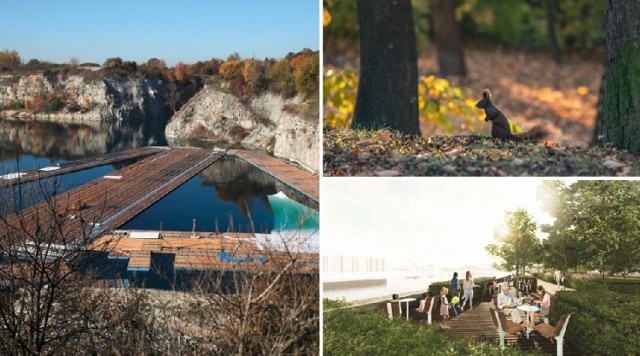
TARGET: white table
(406,300)
(528,309)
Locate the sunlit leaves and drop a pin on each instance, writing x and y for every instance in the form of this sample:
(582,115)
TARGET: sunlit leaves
(443,108)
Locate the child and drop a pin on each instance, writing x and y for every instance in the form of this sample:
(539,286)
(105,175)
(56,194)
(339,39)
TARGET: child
(423,303)
(444,307)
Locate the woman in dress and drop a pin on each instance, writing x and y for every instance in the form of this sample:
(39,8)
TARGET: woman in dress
(444,307)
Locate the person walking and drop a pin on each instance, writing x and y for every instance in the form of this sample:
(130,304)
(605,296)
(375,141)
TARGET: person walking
(556,275)
(467,285)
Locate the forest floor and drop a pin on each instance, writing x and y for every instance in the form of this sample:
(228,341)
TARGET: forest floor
(385,153)
(529,88)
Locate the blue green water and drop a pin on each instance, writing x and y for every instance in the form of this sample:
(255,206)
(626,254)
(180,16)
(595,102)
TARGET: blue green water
(230,195)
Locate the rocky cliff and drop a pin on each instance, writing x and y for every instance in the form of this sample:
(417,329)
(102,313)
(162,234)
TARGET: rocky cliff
(266,122)
(75,100)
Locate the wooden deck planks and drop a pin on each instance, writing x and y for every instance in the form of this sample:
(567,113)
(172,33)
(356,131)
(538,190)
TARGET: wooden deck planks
(304,182)
(82,164)
(112,202)
(477,324)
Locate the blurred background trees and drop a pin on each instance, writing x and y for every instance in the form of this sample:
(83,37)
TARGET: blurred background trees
(521,24)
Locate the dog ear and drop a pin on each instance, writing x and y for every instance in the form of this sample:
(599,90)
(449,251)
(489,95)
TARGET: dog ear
(486,94)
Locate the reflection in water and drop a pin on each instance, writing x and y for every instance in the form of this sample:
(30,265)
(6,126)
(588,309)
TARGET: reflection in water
(230,195)
(17,197)
(39,144)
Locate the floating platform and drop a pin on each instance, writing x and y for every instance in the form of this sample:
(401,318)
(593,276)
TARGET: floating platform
(77,165)
(302,181)
(101,205)
(208,251)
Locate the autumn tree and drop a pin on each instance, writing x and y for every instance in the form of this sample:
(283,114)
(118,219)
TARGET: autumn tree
(9,60)
(154,68)
(620,118)
(517,246)
(231,70)
(448,38)
(306,75)
(180,72)
(281,78)
(254,74)
(388,86)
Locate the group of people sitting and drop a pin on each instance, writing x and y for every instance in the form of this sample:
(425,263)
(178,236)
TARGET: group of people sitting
(508,303)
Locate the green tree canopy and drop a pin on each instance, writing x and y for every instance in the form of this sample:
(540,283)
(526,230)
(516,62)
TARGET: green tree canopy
(518,246)
(596,225)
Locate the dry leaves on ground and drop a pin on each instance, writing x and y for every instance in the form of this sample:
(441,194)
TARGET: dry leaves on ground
(386,153)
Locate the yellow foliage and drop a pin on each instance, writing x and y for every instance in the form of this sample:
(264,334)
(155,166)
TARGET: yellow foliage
(326,17)
(583,90)
(443,108)
(231,69)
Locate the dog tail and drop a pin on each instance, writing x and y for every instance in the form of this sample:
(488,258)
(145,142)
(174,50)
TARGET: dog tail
(536,134)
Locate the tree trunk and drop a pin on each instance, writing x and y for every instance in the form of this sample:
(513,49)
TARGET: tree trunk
(621,105)
(551,29)
(388,87)
(448,38)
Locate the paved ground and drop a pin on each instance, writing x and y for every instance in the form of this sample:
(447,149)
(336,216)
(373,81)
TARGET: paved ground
(552,288)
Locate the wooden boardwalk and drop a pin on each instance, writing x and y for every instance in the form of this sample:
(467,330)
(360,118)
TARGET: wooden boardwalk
(78,165)
(106,203)
(303,182)
(477,324)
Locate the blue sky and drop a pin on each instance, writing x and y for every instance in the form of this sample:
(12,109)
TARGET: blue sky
(185,30)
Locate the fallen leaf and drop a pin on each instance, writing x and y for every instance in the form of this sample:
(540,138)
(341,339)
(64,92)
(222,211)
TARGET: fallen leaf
(384,134)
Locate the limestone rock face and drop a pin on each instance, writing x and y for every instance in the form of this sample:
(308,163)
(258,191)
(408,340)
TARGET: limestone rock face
(262,123)
(97,102)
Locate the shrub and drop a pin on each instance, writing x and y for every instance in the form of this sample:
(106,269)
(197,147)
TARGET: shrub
(114,62)
(621,286)
(604,323)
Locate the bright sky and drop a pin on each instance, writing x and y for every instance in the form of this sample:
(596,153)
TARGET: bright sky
(185,30)
(444,222)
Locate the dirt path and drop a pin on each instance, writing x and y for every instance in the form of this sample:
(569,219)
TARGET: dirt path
(552,288)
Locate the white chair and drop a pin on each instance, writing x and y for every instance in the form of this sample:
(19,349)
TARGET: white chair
(429,312)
